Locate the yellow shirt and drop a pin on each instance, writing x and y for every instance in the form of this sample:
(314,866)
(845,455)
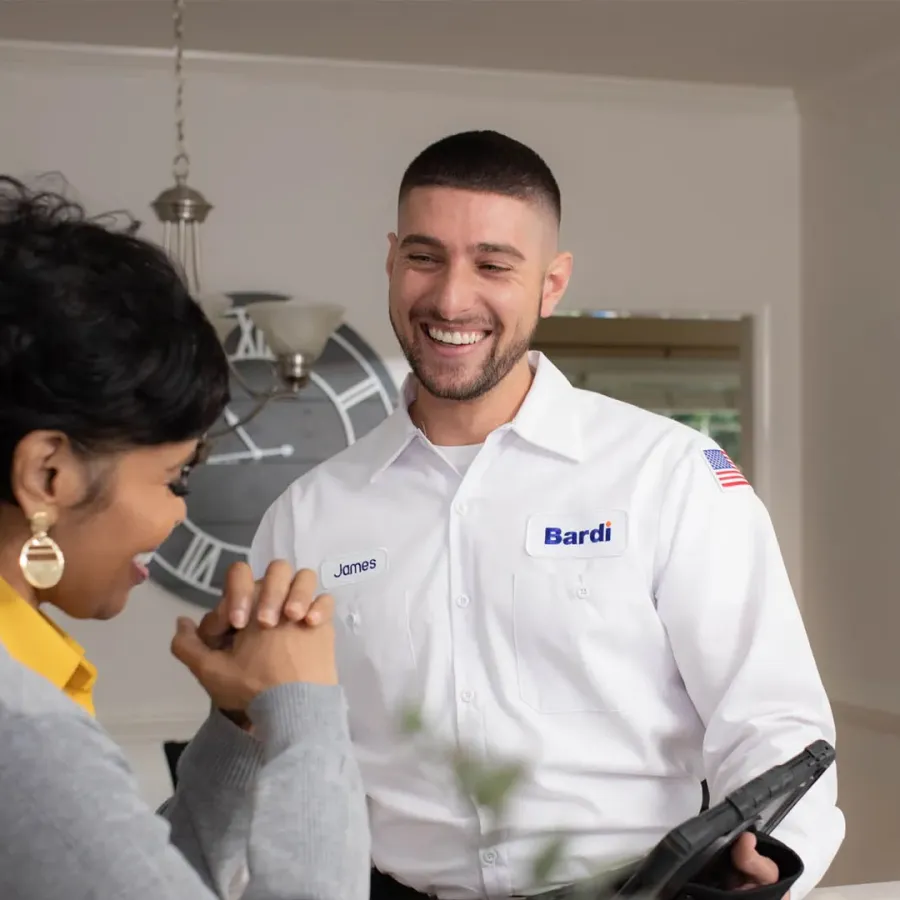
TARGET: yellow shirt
(41,645)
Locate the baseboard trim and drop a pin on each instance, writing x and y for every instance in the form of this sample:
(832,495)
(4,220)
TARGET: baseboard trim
(151,730)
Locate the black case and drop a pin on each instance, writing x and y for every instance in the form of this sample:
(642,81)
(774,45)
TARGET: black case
(693,862)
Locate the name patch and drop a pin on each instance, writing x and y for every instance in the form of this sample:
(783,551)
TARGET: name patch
(577,536)
(351,568)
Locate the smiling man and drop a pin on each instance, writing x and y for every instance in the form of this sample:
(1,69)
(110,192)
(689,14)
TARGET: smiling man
(545,573)
(453,246)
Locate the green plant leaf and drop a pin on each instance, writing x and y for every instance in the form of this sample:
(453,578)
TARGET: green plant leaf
(493,787)
(411,721)
(547,860)
(468,772)
(488,786)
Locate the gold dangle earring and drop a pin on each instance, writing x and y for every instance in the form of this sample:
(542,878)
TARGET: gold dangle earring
(41,561)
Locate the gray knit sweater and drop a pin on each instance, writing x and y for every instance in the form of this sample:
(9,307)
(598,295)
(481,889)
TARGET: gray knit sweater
(286,810)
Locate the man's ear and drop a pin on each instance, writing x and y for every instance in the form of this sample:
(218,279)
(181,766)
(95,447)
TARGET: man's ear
(46,473)
(393,243)
(556,280)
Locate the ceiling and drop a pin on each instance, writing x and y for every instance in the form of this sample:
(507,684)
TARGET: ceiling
(773,43)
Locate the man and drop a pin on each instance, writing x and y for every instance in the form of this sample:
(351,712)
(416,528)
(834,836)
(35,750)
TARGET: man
(545,573)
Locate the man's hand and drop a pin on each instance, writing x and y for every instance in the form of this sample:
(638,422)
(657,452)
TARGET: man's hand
(753,868)
(258,658)
(279,591)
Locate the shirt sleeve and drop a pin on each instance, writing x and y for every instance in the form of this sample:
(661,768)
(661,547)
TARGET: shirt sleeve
(739,642)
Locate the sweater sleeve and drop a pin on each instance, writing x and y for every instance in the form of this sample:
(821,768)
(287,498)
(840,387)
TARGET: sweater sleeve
(299,776)
(72,822)
(210,811)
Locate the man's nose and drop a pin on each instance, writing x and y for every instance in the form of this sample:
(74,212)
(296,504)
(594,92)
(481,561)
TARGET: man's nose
(456,294)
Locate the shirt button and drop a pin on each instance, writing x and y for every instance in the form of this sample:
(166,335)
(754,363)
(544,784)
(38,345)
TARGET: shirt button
(489,857)
(583,592)
(467,696)
(460,508)
(462,601)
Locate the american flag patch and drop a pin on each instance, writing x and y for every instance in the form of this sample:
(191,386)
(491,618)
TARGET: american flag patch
(727,473)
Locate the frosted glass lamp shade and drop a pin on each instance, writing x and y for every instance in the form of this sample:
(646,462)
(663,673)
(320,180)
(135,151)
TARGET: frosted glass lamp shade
(295,328)
(216,307)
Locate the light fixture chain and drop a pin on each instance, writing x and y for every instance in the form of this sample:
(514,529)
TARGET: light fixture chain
(182,162)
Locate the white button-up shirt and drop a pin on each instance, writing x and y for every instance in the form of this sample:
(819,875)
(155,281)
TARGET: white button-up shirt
(596,596)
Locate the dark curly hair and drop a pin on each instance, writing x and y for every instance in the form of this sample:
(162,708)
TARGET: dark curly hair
(99,336)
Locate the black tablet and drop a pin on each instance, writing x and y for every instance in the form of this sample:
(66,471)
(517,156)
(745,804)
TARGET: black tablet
(696,846)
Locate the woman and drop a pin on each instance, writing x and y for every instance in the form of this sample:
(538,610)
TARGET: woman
(109,375)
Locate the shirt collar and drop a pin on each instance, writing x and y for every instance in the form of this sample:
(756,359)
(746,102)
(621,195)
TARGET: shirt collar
(548,418)
(42,646)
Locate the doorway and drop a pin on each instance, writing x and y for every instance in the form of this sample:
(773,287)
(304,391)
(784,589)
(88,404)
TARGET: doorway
(695,370)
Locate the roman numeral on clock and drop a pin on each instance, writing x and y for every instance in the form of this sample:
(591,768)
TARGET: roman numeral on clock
(360,391)
(198,563)
(251,341)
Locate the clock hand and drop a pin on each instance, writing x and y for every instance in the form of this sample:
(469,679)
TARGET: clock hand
(241,432)
(245,455)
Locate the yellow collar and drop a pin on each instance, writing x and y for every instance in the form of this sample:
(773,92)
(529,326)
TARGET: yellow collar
(41,645)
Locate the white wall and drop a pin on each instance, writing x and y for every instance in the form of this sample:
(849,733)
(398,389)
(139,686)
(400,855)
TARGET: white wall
(675,198)
(851,371)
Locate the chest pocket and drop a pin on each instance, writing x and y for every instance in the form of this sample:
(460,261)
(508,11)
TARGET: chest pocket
(373,643)
(568,643)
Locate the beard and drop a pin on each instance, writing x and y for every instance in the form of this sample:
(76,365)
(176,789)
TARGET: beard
(440,380)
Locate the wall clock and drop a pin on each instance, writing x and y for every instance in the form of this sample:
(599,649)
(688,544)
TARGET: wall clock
(349,393)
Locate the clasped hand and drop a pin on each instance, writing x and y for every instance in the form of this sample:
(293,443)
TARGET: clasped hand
(245,645)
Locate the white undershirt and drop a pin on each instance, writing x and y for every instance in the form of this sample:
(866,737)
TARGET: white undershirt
(460,457)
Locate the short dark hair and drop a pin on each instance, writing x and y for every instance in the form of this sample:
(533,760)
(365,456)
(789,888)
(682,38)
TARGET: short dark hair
(99,336)
(484,161)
